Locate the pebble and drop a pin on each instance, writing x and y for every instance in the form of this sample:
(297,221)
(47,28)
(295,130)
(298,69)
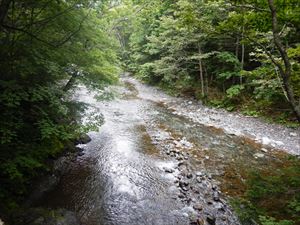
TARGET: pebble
(293,134)
(258,155)
(80,153)
(181,196)
(199,174)
(198,207)
(216,196)
(264,150)
(189,175)
(211,220)
(169,170)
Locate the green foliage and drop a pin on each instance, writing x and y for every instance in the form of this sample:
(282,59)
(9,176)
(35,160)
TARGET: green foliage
(245,210)
(234,91)
(272,221)
(43,43)
(196,46)
(272,196)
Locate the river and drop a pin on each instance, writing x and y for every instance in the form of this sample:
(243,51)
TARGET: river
(148,164)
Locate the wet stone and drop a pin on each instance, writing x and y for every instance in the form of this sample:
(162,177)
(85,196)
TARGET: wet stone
(80,153)
(169,170)
(189,175)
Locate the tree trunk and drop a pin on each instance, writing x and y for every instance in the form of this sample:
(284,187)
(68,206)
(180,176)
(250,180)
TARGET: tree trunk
(243,55)
(201,72)
(4,7)
(237,45)
(285,72)
(69,84)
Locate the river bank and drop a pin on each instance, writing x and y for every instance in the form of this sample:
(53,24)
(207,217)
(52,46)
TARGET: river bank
(270,136)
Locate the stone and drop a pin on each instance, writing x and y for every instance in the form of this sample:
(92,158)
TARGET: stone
(216,196)
(211,220)
(181,163)
(184,188)
(181,196)
(219,206)
(80,153)
(199,180)
(183,183)
(293,134)
(198,207)
(189,175)
(83,139)
(199,174)
(169,170)
(258,155)
(264,150)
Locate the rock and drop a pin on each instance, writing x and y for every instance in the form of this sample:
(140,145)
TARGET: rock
(182,163)
(211,220)
(293,134)
(190,102)
(83,139)
(189,175)
(169,170)
(214,187)
(184,188)
(183,183)
(219,206)
(199,174)
(181,196)
(199,180)
(258,155)
(198,207)
(216,196)
(1,222)
(264,150)
(80,153)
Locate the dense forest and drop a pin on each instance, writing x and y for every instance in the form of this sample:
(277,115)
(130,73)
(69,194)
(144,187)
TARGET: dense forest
(45,46)
(239,55)
(234,54)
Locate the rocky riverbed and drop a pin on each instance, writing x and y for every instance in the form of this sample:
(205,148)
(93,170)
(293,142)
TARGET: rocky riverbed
(269,135)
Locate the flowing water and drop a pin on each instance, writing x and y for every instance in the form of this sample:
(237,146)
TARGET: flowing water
(147,165)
